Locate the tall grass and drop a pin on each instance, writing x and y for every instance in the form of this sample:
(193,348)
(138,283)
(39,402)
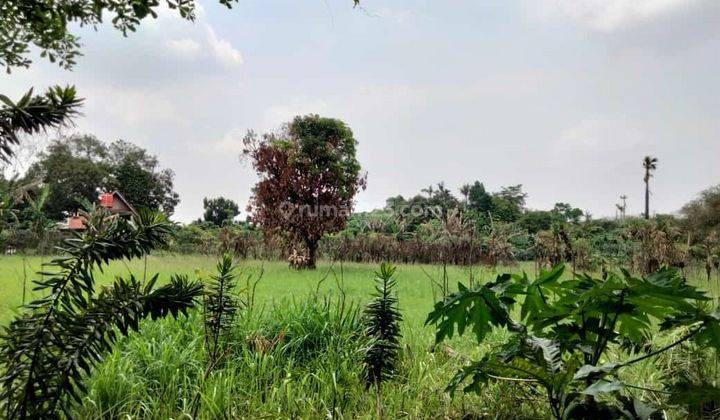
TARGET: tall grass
(298,352)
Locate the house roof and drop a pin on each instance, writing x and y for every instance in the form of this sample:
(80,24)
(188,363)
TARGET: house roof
(119,205)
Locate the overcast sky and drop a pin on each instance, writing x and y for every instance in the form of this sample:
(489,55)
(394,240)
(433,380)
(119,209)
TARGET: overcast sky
(562,96)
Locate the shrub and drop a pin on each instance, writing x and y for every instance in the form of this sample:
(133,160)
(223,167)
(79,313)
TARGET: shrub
(561,340)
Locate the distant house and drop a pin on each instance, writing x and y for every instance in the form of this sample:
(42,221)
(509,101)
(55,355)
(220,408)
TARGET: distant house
(114,202)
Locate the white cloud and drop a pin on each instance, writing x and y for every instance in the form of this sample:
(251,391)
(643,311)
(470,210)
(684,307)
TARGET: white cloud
(598,134)
(223,50)
(609,15)
(232,141)
(277,115)
(130,105)
(185,48)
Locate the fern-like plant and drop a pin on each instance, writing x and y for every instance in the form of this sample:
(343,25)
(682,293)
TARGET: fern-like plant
(49,348)
(382,328)
(33,114)
(220,308)
(560,340)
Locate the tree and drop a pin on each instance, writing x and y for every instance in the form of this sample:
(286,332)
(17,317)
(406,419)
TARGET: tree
(465,192)
(33,114)
(702,215)
(567,213)
(78,167)
(75,169)
(382,327)
(478,199)
(138,176)
(47,25)
(649,164)
(309,176)
(220,210)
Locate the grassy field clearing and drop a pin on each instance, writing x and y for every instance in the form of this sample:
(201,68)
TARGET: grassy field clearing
(315,373)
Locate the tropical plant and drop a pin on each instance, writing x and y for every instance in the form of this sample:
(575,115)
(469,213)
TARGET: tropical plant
(219,308)
(649,164)
(561,340)
(47,351)
(34,113)
(382,327)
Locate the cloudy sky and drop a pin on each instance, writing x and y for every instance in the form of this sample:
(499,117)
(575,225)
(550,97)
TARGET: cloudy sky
(562,96)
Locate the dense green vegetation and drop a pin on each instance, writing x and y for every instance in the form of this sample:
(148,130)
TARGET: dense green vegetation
(156,373)
(556,314)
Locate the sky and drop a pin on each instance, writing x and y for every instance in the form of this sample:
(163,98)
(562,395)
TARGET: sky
(562,96)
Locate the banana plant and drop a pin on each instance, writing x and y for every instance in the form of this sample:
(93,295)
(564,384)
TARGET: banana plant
(560,339)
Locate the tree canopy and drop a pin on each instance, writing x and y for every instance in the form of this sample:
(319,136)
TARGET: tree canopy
(219,211)
(77,167)
(309,176)
(50,25)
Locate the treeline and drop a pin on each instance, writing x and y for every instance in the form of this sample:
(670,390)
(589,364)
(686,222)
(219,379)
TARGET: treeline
(71,171)
(486,228)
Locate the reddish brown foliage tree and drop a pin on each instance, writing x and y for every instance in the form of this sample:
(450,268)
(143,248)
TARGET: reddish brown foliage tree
(308,178)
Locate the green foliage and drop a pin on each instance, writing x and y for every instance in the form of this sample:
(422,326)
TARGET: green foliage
(219,211)
(49,348)
(478,199)
(702,215)
(47,25)
(220,307)
(564,331)
(78,166)
(33,114)
(309,175)
(382,326)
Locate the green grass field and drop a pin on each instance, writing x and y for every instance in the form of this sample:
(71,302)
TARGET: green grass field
(157,373)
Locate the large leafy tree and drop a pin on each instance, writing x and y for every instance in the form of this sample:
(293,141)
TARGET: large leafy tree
(220,210)
(309,176)
(137,174)
(74,168)
(478,199)
(77,167)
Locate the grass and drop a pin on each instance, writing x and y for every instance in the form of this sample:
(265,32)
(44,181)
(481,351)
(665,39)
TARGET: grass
(313,372)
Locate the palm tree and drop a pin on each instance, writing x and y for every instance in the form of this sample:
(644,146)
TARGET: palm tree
(465,191)
(650,164)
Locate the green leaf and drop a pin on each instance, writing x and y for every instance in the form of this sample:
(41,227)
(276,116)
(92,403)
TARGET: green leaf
(603,386)
(589,371)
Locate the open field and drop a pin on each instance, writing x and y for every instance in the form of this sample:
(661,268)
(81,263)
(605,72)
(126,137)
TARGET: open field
(315,372)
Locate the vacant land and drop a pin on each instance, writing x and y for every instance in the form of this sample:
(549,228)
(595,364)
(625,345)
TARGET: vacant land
(278,281)
(296,356)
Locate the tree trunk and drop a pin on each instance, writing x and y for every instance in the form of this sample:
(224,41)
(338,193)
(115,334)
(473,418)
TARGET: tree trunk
(312,251)
(647,197)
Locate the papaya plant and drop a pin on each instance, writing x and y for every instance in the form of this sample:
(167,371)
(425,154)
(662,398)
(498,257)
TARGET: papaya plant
(563,330)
